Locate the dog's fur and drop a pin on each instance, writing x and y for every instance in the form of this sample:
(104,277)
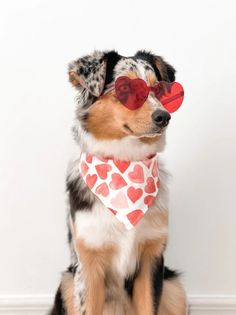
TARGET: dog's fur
(113,270)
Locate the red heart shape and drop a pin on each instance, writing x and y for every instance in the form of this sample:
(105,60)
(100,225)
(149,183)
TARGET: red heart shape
(135,216)
(89,158)
(172,96)
(137,175)
(122,165)
(103,159)
(150,187)
(154,169)
(102,170)
(84,168)
(117,181)
(134,194)
(132,93)
(147,162)
(148,200)
(91,180)
(103,190)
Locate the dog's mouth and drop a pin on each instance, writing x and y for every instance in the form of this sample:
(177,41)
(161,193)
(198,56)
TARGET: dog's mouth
(156,131)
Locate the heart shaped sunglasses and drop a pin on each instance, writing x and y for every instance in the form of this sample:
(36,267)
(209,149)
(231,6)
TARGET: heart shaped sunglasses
(132,93)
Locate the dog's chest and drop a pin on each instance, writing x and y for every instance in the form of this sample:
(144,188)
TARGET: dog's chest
(99,228)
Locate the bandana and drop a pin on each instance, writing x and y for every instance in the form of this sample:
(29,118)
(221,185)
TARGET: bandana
(126,188)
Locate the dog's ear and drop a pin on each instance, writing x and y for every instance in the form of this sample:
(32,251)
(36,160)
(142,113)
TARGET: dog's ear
(164,71)
(167,72)
(89,72)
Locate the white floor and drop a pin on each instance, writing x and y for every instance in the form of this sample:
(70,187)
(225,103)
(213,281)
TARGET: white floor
(39,305)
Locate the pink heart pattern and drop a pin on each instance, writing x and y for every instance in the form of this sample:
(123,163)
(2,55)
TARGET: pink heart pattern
(84,168)
(102,170)
(126,188)
(122,165)
(117,181)
(150,185)
(91,180)
(137,175)
(134,193)
(102,189)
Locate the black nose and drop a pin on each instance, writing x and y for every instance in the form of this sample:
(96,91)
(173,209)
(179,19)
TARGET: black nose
(161,118)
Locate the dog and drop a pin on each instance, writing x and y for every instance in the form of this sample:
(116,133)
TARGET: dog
(117,265)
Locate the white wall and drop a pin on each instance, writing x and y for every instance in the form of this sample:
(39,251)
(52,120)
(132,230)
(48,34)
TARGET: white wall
(38,38)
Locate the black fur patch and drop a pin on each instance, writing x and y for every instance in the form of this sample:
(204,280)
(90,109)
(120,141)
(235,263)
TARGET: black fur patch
(150,58)
(69,236)
(112,57)
(129,283)
(157,282)
(71,269)
(170,274)
(79,196)
(58,308)
(170,72)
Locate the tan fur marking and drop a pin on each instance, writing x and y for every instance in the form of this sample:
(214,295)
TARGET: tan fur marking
(94,264)
(150,140)
(101,121)
(131,75)
(118,308)
(161,67)
(152,249)
(67,288)
(157,219)
(148,251)
(107,118)
(173,300)
(74,78)
(142,296)
(152,79)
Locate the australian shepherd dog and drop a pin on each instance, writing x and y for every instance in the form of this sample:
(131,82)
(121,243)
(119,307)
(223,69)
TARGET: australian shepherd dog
(117,261)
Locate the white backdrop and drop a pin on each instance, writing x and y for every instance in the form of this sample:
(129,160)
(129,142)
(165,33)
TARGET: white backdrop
(38,38)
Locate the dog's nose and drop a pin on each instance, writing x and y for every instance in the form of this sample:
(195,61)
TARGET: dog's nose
(161,118)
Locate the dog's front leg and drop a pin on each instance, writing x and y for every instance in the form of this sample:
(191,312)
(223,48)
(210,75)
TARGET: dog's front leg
(94,263)
(94,290)
(148,284)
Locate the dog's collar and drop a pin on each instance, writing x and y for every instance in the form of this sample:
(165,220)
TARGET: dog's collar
(126,188)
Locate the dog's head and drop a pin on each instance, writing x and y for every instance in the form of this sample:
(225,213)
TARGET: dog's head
(103,124)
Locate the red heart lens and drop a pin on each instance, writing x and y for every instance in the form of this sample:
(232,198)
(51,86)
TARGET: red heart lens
(171,95)
(132,93)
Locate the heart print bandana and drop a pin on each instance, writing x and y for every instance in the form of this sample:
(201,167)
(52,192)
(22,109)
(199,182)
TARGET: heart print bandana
(126,188)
